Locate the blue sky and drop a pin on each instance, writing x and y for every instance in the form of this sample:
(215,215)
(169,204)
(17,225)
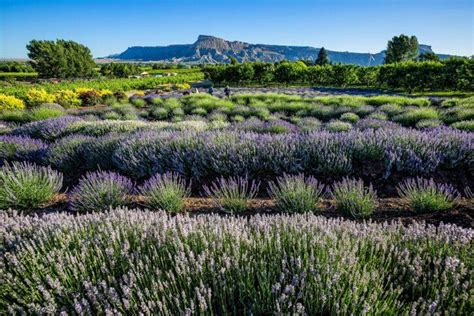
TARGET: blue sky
(108,27)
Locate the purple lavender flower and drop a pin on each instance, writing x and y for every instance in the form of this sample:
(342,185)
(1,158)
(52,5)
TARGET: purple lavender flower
(99,191)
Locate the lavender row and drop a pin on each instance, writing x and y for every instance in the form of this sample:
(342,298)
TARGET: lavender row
(200,155)
(27,187)
(134,262)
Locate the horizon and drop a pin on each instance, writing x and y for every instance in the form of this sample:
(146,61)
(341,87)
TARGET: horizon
(110,27)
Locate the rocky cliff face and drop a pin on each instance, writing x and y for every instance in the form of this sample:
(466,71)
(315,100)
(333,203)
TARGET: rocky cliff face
(210,49)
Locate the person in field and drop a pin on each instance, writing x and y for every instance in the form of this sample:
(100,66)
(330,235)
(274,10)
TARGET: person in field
(227,91)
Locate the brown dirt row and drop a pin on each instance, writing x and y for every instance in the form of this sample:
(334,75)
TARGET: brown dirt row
(388,209)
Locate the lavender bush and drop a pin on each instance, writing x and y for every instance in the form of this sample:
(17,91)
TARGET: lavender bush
(353,198)
(296,194)
(166,192)
(21,148)
(49,129)
(99,191)
(425,195)
(231,195)
(26,186)
(133,262)
(67,154)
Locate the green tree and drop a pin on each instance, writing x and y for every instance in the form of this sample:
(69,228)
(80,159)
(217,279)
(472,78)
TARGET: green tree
(288,72)
(119,70)
(323,58)
(401,48)
(233,60)
(61,59)
(428,56)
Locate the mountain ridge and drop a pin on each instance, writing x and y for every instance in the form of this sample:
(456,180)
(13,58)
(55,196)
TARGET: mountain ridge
(211,49)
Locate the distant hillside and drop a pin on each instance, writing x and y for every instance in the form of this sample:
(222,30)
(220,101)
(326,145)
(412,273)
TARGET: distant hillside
(210,49)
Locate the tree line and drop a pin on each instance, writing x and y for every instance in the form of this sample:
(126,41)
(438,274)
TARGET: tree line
(451,74)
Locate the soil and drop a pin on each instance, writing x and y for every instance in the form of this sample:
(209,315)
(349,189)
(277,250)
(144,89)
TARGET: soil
(388,210)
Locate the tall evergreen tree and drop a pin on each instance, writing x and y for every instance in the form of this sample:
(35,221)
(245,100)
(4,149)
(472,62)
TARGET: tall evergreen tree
(323,58)
(61,59)
(401,48)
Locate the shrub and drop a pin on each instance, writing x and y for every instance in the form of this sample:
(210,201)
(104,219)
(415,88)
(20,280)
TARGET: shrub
(111,115)
(98,191)
(89,97)
(138,102)
(21,148)
(338,126)
(458,113)
(391,109)
(231,195)
(238,118)
(412,116)
(177,112)
(67,154)
(159,113)
(425,195)
(49,129)
(261,113)
(349,117)
(124,109)
(430,123)
(464,125)
(353,198)
(8,102)
(121,96)
(45,111)
(35,97)
(26,186)
(217,117)
(199,111)
(364,110)
(165,191)
(16,116)
(378,116)
(67,98)
(322,112)
(296,194)
(154,100)
(171,103)
(309,124)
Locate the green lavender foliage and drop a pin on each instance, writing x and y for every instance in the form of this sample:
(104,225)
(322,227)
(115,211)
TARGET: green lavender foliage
(26,186)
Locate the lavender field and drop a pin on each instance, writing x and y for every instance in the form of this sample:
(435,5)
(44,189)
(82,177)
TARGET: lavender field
(256,204)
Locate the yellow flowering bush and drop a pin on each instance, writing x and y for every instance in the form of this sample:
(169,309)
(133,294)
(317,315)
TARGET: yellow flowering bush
(105,92)
(36,97)
(8,102)
(89,97)
(67,98)
(182,86)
